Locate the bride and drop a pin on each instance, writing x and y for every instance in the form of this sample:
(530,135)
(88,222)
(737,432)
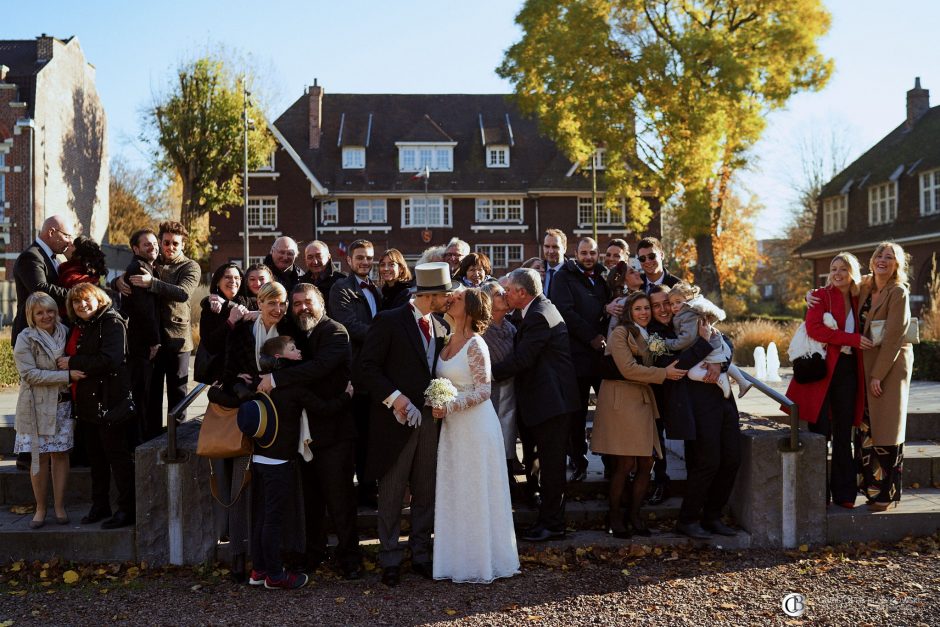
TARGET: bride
(474,540)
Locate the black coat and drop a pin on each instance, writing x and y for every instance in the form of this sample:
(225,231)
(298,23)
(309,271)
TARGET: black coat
(33,271)
(324,282)
(546,383)
(142,311)
(668,280)
(290,402)
(348,306)
(393,358)
(581,304)
(100,354)
(288,278)
(396,295)
(214,332)
(240,355)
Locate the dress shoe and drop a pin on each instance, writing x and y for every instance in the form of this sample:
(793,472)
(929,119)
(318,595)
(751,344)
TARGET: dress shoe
(391,575)
(692,530)
(350,572)
(62,520)
(660,493)
(541,534)
(620,534)
(424,569)
(23,461)
(846,504)
(716,526)
(580,474)
(94,515)
(120,519)
(37,524)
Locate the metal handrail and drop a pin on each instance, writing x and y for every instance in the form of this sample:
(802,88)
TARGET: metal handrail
(792,409)
(173,415)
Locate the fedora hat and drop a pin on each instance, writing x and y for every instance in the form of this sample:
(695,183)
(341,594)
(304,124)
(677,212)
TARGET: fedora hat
(433,278)
(257,419)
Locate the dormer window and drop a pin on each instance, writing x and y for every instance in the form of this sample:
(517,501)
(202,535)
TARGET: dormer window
(413,157)
(354,157)
(882,203)
(600,158)
(835,213)
(497,156)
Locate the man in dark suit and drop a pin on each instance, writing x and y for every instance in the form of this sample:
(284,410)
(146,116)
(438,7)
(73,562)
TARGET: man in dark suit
(280,261)
(320,271)
(553,252)
(36,268)
(649,251)
(397,363)
(547,392)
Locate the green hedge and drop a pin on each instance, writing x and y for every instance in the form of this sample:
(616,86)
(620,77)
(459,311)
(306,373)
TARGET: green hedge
(927,360)
(8,374)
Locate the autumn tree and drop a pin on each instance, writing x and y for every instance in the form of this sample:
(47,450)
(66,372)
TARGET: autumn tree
(197,130)
(677,91)
(138,198)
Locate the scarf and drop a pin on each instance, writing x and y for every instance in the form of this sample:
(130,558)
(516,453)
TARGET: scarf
(53,343)
(262,335)
(643,332)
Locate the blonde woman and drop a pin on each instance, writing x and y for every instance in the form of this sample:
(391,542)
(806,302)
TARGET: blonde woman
(44,424)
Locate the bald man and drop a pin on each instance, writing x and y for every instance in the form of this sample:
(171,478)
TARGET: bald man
(281,262)
(37,269)
(320,270)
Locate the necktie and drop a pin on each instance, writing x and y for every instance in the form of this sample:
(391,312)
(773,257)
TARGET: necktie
(551,275)
(425,328)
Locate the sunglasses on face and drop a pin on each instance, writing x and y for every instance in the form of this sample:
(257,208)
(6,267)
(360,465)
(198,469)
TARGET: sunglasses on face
(645,258)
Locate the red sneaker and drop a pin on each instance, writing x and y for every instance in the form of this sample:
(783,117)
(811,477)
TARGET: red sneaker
(287,581)
(256,578)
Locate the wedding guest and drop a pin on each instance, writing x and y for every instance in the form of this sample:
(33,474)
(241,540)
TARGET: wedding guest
(432,254)
(396,279)
(649,252)
(661,324)
(281,260)
(84,263)
(44,424)
(455,252)
(622,279)
(617,250)
(256,276)
(320,271)
(474,270)
(536,264)
(499,336)
(221,310)
(553,250)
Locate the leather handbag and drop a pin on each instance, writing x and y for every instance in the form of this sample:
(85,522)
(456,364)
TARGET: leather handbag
(219,435)
(877,329)
(809,368)
(122,412)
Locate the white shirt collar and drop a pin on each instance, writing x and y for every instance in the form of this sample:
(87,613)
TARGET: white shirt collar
(45,248)
(417,312)
(525,309)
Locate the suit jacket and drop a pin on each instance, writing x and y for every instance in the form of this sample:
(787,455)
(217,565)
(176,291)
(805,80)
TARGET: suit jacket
(393,358)
(33,271)
(546,383)
(348,306)
(288,278)
(668,280)
(581,304)
(174,283)
(141,309)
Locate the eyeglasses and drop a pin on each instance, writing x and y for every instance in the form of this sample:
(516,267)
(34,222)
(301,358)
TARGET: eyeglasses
(62,233)
(451,255)
(645,258)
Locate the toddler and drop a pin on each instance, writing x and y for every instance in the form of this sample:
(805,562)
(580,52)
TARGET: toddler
(689,308)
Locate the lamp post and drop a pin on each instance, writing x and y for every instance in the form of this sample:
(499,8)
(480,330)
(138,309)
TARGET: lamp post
(246,121)
(594,191)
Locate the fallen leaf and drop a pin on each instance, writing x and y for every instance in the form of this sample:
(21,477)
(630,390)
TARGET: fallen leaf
(22,509)
(450,611)
(340,599)
(728,606)
(804,548)
(70,577)
(533,617)
(16,567)
(915,485)
(625,571)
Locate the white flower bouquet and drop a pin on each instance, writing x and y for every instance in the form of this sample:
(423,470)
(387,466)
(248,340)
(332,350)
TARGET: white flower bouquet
(440,392)
(657,345)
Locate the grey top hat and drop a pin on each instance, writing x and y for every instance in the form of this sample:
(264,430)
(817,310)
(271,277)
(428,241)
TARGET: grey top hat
(433,277)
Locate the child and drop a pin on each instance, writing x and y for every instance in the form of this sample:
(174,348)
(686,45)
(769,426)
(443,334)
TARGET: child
(689,308)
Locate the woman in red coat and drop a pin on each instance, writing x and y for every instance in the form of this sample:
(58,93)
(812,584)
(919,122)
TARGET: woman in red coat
(832,406)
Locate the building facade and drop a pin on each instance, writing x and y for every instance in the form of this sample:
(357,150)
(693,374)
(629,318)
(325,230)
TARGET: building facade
(412,171)
(53,148)
(891,192)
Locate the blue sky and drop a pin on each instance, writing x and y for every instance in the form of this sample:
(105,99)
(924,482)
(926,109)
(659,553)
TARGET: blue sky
(420,46)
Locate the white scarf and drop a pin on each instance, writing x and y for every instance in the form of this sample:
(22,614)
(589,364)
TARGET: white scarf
(262,335)
(53,343)
(643,332)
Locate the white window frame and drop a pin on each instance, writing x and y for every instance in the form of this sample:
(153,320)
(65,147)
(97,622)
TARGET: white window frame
(502,255)
(329,211)
(269,166)
(600,158)
(497,156)
(3,182)
(930,193)
(354,157)
(370,211)
(489,210)
(412,157)
(835,213)
(414,215)
(882,203)
(262,212)
(605,216)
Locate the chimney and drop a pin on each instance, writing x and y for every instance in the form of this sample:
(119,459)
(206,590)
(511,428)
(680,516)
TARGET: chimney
(918,102)
(44,46)
(315,94)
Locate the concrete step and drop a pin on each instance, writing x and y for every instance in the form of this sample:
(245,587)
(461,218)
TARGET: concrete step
(920,425)
(16,488)
(918,514)
(921,464)
(74,542)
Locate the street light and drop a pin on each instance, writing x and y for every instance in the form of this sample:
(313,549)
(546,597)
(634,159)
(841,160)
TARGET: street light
(247,123)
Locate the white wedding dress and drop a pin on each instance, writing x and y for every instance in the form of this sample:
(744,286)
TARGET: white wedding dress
(474,539)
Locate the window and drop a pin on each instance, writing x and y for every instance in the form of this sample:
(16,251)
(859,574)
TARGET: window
(605,215)
(497,156)
(329,212)
(268,166)
(769,290)
(882,203)
(354,157)
(3,183)
(370,211)
(413,158)
(501,255)
(420,211)
(600,158)
(835,213)
(499,210)
(262,212)
(929,192)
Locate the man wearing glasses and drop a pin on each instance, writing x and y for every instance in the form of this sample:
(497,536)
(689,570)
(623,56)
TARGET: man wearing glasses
(37,270)
(456,250)
(649,252)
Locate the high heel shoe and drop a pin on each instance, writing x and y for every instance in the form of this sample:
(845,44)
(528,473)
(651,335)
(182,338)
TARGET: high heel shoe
(879,506)
(639,525)
(620,534)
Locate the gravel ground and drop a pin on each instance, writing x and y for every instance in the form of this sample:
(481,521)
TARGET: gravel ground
(846,585)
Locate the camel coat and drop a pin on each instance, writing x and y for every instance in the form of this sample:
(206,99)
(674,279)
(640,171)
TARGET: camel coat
(625,418)
(892,362)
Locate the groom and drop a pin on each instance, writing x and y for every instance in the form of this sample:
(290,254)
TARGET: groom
(397,362)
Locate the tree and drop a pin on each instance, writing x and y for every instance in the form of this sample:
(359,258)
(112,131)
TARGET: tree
(137,199)
(197,129)
(676,91)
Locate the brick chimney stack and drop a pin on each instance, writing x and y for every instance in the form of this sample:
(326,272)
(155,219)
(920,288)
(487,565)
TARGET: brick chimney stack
(315,94)
(918,102)
(44,47)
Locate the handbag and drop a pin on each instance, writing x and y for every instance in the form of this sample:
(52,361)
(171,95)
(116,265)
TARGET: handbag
(204,365)
(122,412)
(912,335)
(809,368)
(219,435)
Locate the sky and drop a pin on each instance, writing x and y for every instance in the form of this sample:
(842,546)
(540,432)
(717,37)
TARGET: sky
(448,46)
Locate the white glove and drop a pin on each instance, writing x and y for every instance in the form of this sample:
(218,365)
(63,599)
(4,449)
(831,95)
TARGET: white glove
(413,416)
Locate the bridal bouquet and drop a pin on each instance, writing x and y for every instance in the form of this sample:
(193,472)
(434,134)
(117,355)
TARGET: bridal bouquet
(657,345)
(440,392)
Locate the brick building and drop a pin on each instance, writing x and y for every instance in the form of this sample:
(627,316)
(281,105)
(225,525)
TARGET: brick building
(345,168)
(53,148)
(891,192)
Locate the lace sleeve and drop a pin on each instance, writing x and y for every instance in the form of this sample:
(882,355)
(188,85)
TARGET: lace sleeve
(478,358)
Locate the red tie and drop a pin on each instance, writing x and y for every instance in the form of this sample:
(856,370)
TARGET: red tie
(425,328)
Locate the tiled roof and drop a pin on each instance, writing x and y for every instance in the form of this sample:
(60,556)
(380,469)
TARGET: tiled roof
(20,57)
(535,162)
(867,236)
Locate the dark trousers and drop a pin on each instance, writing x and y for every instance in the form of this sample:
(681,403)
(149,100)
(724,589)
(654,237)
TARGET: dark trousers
(835,422)
(577,445)
(360,410)
(550,438)
(659,465)
(173,368)
(271,486)
(110,454)
(328,487)
(141,374)
(712,459)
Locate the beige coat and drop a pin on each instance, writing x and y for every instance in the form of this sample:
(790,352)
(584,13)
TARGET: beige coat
(625,419)
(892,363)
(40,384)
